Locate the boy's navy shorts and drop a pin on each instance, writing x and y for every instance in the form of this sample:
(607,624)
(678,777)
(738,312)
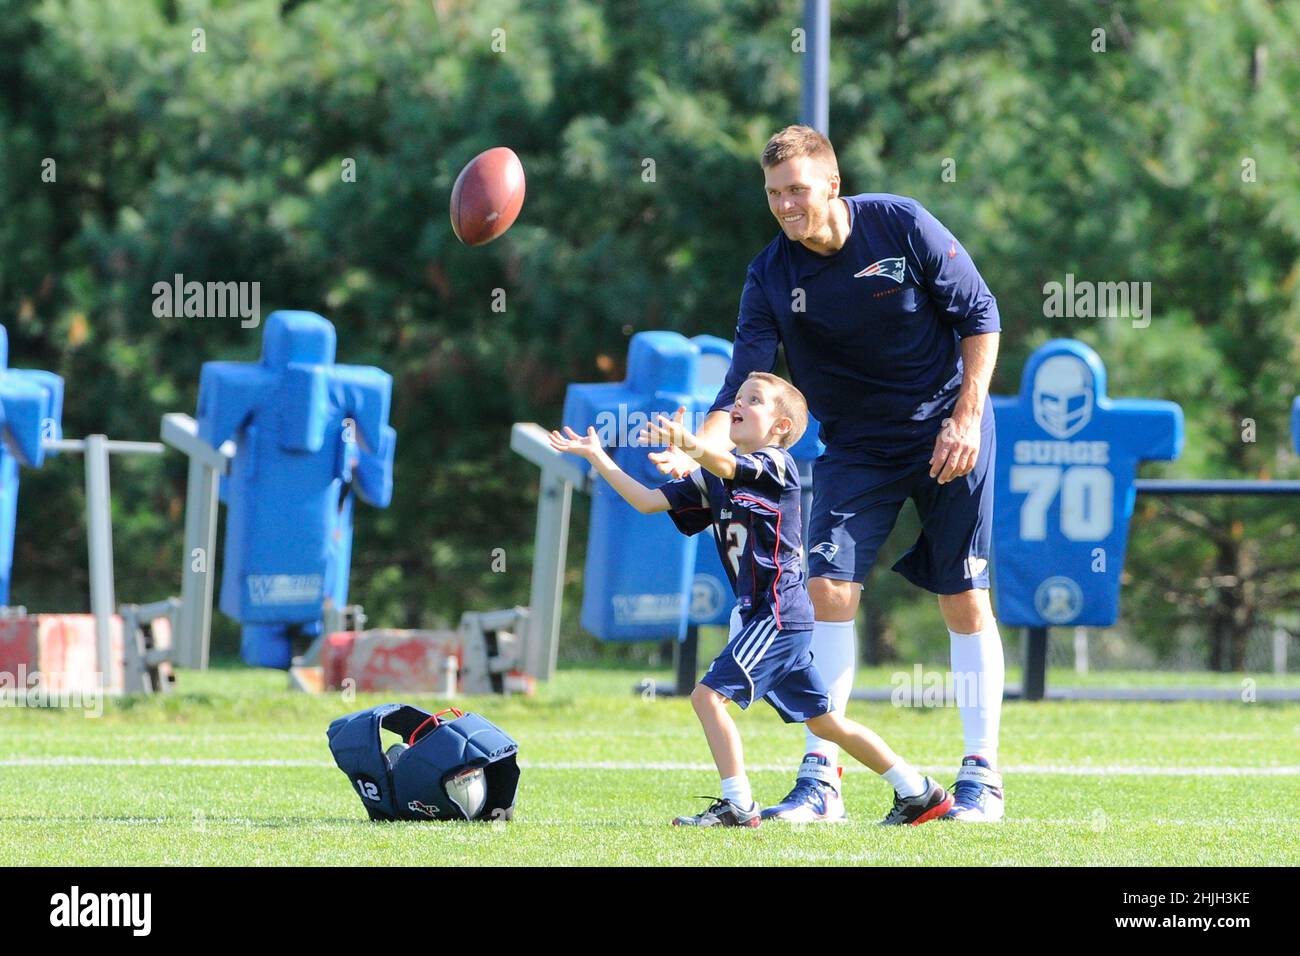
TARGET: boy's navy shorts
(856,502)
(762,661)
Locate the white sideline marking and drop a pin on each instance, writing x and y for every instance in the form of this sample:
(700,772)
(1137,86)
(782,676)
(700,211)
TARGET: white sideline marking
(1077,770)
(1114,824)
(192,739)
(157,762)
(1071,770)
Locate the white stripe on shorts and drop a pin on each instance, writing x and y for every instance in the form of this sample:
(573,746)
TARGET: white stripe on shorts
(757,634)
(757,654)
(759,630)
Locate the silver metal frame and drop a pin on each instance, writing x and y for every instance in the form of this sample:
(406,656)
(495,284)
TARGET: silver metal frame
(99,533)
(207,465)
(560,475)
(143,662)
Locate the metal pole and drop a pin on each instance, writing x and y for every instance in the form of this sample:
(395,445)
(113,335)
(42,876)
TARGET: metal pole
(195,623)
(99,536)
(687,654)
(550,546)
(114,447)
(1035,682)
(207,465)
(814,108)
(560,475)
(1213,486)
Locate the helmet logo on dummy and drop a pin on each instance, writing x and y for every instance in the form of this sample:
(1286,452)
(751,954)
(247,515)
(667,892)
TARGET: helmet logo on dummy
(706,597)
(1063,395)
(1058,600)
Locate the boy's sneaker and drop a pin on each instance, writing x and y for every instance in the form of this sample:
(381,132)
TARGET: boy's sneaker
(815,797)
(722,813)
(913,811)
(978,793)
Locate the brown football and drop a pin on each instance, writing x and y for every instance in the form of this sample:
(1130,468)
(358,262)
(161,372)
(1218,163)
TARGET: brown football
(488,195)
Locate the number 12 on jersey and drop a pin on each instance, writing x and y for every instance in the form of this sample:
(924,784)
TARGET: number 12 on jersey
(736,537)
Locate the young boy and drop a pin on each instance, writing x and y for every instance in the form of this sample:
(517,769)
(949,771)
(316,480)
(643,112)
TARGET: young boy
(751,500)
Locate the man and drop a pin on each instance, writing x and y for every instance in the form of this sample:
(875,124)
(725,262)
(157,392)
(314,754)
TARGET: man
(892,335)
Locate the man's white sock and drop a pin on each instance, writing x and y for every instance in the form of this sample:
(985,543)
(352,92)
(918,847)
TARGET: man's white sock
(978,673)
(904,778)
(736,789)
(834,649)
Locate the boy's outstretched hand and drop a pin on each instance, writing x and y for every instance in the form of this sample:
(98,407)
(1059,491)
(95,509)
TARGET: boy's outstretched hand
(668,431)
(674,462)
(685,452)
(584,446)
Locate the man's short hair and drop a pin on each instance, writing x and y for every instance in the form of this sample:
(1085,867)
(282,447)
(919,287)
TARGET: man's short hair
(789,403)
(799,141)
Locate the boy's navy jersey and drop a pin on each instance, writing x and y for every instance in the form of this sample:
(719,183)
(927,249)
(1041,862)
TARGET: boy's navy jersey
(757,528)
(871,332)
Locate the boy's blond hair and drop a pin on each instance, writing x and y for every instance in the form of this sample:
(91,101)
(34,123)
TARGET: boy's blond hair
(799,141)
(789,403)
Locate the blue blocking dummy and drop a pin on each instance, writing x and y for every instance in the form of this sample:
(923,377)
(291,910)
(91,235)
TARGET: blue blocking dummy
(644,579)
(31,411)
(310,436)
(639,567)
(1295,425)
(1066,459)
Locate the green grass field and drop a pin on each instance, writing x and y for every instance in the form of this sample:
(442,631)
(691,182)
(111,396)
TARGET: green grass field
(234,769)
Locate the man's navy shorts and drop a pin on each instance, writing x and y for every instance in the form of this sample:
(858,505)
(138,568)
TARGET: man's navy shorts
(856,502)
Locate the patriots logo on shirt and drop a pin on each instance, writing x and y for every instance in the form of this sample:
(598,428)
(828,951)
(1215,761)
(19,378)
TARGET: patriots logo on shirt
(826,548)
(892,268)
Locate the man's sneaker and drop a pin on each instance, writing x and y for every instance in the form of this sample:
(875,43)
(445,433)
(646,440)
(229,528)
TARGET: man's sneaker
(722,813)
(815,797)
(913,811)
(978,792)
